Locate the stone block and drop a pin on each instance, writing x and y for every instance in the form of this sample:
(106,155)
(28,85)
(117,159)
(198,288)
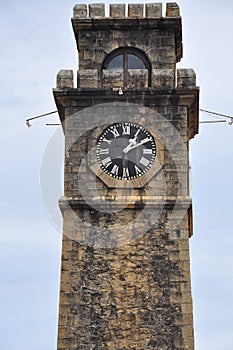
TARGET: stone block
(80,11)
(137,78)
(65,79)
(135,10)
(87,78)
(187,332)
(172,10)
(113,78)
(154,10)
(189,343)
(186,308)
(186,78)
(96,10)
(163,77)
(117,10)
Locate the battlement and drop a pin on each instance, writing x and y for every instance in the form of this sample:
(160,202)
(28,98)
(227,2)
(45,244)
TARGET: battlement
(151,10)
(161,78)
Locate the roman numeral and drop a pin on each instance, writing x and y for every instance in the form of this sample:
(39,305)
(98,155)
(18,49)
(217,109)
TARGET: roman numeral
(137,170)
(125,172)
(115,132)
(106,140)
(115,169)
(125,129)
(147,151)
(106,162)
(104,150)
(144,161)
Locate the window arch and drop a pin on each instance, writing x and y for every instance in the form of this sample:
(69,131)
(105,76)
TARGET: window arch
(127,58)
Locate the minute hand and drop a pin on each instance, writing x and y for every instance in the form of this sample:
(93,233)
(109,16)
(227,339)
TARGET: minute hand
(129,147)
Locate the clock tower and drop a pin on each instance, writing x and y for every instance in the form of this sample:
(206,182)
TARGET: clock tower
(127,211)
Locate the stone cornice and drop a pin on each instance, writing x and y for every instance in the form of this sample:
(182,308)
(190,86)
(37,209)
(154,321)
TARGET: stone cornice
(83,98)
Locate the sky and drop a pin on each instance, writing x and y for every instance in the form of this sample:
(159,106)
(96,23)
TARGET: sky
(36,42)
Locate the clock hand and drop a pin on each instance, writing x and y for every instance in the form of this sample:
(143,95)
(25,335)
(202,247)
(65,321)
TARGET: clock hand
(135,136)
(134,139)
(130,146)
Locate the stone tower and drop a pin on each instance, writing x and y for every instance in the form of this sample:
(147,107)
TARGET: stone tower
(127,212)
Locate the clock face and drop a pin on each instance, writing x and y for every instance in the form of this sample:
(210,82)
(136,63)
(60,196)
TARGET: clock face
(125,151)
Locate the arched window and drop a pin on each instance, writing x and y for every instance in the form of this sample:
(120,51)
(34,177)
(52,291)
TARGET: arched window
(127,58)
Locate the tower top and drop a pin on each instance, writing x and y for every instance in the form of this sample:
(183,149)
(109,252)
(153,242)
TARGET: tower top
(132,49)
(130,17)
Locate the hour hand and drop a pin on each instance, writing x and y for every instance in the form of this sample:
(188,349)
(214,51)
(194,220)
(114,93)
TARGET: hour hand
(134,139)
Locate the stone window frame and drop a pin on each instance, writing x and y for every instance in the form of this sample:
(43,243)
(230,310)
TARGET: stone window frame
(125,51)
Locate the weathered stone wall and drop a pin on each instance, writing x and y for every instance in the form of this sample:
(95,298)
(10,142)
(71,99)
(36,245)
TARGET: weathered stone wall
(158,46)
(136,296)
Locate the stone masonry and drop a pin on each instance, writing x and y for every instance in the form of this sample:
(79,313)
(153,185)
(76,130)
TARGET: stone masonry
(125,274)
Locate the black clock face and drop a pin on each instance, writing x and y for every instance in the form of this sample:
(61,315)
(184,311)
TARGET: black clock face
(125,151)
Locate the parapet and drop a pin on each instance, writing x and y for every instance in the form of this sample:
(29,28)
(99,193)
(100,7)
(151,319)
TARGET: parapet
(152,10)
(138,78)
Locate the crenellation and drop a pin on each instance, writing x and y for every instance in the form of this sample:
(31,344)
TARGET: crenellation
(137,78)
(172,9)
(113,78)
(87,78)
(65,79)
(117,10)
(154,10)
(163,78)
(96,10)
(80,11)
(135,10)
(186,78)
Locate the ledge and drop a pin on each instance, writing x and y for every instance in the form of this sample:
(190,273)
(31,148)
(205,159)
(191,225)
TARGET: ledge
(182,203)
(84,98)
(138,202)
